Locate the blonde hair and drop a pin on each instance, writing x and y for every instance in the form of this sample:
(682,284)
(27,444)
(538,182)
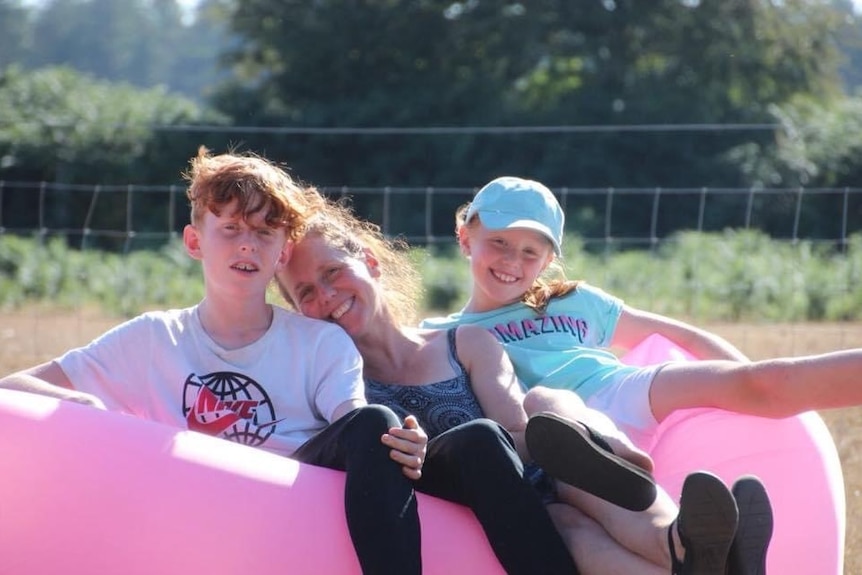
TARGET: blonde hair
(256,184)
(552,283)
(400,282)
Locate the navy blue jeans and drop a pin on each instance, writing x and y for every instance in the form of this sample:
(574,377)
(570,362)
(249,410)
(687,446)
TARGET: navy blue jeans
(474,464)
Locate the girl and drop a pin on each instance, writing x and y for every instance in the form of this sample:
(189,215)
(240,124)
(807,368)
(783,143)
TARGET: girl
(555,331)
(343,271)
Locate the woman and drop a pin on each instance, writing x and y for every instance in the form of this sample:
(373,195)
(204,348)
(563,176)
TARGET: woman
(343,271)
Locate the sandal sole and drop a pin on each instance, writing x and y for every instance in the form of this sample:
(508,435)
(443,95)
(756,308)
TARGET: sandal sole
(748,552)
(707,523)
(568,453)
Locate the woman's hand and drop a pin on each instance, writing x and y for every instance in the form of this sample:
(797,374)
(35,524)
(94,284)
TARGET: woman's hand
(408,445)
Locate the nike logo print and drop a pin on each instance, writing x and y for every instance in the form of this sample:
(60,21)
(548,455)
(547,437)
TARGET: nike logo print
(207,407)
(204,408)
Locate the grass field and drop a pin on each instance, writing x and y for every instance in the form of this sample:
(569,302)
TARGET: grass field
(35,335)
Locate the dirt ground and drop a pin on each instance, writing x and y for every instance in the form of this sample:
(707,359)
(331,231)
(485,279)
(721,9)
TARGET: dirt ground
(35,335)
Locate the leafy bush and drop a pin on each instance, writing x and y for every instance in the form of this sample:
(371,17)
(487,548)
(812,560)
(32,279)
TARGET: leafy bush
(445,276)
(729,276)
(42,269)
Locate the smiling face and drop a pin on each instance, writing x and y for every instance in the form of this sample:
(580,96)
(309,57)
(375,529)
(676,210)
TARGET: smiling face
(239,256)
(326,282)
(504,263)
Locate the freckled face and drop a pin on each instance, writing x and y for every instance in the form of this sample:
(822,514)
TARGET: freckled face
(327,283)
(503,263)
(237,254)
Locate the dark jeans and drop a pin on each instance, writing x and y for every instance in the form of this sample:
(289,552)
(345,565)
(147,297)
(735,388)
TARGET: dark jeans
(474,464)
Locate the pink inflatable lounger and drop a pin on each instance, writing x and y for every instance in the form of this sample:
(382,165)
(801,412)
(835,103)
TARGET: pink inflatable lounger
(90,492)
(794,457)
(98,493)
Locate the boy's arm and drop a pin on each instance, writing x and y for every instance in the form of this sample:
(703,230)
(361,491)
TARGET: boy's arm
(50,380)
(346,407)
(635,325)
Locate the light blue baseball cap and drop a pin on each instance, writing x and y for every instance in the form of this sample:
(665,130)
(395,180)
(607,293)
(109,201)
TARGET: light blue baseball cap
(515,203)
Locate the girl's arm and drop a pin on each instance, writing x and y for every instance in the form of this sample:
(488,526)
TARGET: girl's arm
(494,381)
(635,325)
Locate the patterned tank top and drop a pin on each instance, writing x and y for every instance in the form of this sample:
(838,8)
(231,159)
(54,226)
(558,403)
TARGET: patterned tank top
(438,406)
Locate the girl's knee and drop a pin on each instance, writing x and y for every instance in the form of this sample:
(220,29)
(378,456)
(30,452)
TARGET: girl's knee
(539,399)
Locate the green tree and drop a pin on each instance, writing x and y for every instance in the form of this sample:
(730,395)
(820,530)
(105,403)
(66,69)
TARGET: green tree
(438,63)
(71,129)
(15,32)
(143,42)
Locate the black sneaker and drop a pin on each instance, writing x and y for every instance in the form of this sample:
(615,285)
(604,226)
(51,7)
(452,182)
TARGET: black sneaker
(575,454)
(748,552)
(706,525)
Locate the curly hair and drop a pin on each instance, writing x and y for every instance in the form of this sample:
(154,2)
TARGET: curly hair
(256,184)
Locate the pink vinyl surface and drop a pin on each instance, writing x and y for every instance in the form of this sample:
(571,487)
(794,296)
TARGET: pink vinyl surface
(87,491)
(84,491)
(795,458)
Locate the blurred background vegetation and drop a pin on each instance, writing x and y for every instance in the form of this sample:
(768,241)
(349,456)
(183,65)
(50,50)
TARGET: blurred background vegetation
(714,277)
(413,95)
(617,93)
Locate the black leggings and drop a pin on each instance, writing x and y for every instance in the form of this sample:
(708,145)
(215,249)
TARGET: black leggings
(474,464)
(378,498)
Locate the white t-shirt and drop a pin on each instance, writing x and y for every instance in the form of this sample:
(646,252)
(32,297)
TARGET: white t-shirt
(274,393)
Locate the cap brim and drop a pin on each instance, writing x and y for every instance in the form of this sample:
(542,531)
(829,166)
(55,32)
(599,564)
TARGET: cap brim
(501,221)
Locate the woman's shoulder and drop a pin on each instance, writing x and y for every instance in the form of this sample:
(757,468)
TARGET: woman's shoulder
(464,340)
(474,341)
(472,331)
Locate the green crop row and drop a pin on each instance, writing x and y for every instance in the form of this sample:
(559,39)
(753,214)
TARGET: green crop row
(728,276)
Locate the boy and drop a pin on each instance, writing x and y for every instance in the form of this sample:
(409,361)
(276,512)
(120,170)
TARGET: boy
(236,367)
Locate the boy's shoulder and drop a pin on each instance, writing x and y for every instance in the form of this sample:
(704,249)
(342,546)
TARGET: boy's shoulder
(170,318)
(306,328)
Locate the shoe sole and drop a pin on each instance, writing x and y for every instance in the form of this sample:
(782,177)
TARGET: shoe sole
(707,523)
(568,453)
(748,551)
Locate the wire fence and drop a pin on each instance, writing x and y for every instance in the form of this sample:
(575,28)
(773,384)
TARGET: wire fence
(131,217)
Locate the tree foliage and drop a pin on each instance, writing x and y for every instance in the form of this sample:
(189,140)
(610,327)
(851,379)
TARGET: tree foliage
(614,93)
(437,63)
(145,43)
(68,126)
(70,129)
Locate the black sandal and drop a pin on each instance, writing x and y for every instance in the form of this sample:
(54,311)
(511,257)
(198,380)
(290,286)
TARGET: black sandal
(706,524)
(676,566)
(577,455)
(747,554)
